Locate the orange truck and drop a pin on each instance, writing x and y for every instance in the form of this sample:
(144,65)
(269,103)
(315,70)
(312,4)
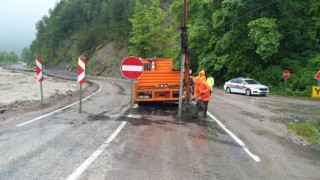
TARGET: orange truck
(158,83)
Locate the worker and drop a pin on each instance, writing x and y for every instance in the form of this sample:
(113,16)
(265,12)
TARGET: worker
(202,97)
(201,76)
(210,82)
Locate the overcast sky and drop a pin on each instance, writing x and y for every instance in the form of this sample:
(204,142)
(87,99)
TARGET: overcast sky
(17,22)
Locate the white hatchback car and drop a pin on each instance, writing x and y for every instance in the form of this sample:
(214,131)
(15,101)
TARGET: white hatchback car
(245,86)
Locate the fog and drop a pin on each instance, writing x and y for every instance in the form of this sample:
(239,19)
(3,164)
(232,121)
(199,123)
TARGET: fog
(17,21)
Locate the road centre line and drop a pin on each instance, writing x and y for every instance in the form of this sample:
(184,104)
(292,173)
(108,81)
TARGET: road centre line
(239,141)
(48,114)
(97,153)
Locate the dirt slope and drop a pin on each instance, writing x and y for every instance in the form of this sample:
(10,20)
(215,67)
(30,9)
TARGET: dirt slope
(106,61)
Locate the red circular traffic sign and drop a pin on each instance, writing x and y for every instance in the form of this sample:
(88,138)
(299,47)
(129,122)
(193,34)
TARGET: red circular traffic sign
(131,67)
(286,74)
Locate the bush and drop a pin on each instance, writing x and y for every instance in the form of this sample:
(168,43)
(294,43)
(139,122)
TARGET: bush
(282,91)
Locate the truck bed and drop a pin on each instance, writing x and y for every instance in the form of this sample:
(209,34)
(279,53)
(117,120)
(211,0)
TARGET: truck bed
(161,83)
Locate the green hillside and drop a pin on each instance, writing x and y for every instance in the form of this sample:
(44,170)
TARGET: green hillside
(227,38)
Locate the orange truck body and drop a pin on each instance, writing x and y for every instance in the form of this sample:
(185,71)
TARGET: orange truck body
(158,83)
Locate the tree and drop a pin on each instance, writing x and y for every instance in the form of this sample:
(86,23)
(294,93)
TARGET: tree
(26,54)
(13,57)
(8,57)
(148,35)
(118,13)
(139,40)
(264,33)
(232,38)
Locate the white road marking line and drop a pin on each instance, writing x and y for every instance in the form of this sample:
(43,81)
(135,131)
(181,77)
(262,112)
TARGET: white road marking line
(239,141)
(134,116)
(27,122)
(97,153)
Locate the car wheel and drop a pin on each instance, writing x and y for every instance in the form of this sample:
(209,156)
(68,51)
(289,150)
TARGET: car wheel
(228,90)
(248,92)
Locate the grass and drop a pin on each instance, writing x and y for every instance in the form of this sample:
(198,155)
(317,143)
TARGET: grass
(290,93)
(309,129)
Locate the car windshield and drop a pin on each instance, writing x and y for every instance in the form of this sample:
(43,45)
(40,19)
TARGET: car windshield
(251,81)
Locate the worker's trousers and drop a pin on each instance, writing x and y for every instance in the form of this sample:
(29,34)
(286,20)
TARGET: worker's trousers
(201,104)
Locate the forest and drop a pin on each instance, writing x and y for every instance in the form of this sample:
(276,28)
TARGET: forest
(226,38)
(8,57)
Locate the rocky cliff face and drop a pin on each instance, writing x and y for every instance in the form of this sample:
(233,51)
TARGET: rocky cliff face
(106,61)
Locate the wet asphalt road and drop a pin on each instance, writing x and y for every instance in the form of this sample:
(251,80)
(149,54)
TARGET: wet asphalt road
(54,146)
(154,144)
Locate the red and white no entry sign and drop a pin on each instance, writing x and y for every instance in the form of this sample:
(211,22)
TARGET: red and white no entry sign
(39,69)
(81,69)
(131,67)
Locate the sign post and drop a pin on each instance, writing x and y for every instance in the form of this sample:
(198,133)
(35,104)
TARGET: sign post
(131,68)
(286,75)
(39,75)
(81,77)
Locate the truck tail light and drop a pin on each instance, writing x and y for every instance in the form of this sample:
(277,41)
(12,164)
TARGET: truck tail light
(163,85)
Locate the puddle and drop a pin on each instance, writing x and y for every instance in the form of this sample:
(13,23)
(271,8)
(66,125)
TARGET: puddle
(98,117)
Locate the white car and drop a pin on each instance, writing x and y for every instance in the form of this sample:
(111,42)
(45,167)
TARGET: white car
(245,86)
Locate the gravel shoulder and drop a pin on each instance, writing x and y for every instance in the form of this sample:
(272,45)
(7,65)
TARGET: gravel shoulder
(265,116)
